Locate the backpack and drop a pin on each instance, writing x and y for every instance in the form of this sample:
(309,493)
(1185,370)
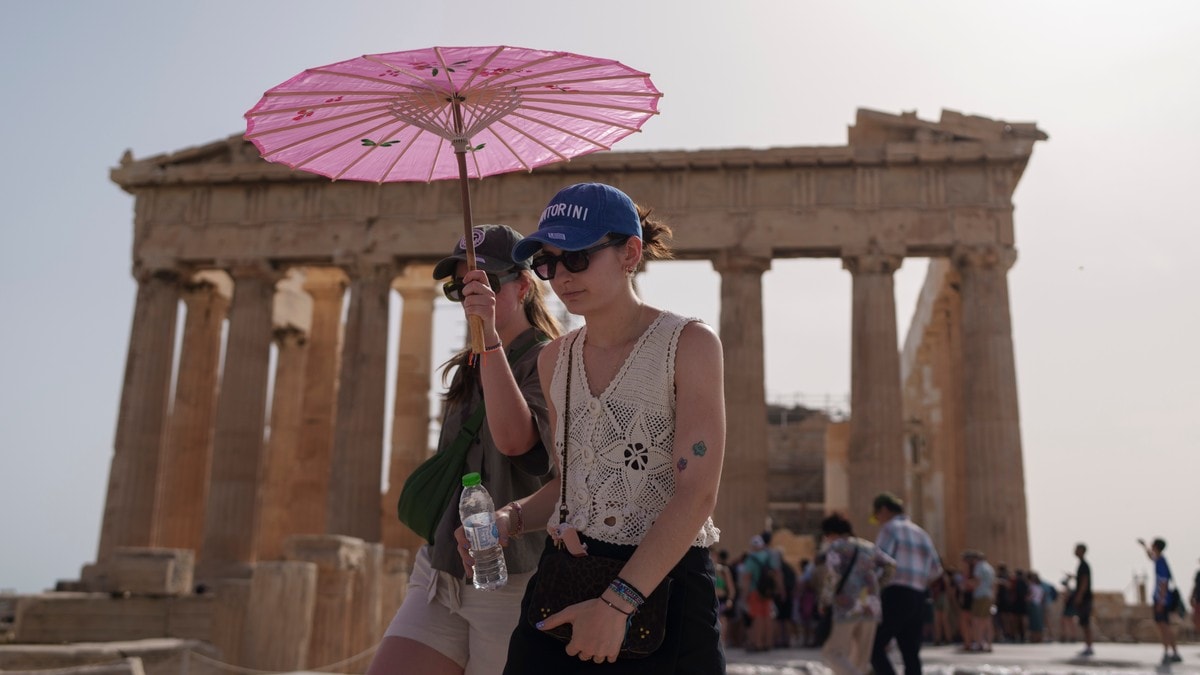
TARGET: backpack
(766,581)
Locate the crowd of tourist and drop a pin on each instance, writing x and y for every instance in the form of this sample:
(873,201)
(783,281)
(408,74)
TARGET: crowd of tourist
(873,591)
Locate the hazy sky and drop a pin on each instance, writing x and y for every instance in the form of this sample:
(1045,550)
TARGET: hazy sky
(1104,301)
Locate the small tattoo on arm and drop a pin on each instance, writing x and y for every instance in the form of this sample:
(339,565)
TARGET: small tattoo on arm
(699,449)
(681,464)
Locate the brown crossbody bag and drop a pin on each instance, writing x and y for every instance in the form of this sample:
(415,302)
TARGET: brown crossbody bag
(563,579)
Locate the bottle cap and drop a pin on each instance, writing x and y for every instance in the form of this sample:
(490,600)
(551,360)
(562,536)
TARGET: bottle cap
(472,478)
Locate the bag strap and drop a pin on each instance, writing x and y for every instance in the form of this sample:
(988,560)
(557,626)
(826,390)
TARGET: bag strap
(562,498)
(849,569)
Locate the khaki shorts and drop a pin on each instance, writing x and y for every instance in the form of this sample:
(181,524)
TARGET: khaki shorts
(981,608)
(469,626)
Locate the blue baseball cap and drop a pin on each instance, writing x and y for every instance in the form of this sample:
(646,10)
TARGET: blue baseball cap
(579,216)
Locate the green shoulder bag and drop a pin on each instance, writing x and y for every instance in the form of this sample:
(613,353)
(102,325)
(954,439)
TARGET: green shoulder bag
(431,485)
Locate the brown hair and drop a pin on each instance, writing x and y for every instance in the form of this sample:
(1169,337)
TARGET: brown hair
(461,376)
(655,235)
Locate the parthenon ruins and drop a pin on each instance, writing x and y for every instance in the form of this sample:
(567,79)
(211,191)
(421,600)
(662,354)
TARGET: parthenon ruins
(271,256)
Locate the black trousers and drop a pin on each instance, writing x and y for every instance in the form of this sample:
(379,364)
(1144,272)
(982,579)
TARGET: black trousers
(903,619)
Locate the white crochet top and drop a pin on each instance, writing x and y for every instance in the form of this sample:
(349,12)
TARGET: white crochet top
(620,469)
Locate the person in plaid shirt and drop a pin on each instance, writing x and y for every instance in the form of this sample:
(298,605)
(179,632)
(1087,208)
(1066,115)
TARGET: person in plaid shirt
(917,563)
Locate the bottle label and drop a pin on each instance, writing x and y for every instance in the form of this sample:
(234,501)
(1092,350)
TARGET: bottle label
(481,531)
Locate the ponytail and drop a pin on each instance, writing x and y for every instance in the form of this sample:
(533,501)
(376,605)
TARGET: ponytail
(655,237)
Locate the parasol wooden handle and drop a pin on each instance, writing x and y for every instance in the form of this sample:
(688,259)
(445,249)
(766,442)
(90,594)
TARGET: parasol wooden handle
(475,323)
(476,330)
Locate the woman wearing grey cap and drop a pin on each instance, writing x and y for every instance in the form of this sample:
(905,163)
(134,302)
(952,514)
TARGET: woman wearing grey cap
(445,626)
(638,413)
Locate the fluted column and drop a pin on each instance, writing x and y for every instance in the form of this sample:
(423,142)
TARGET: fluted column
(948,378)
(357,468)
(230,515)
(876,452)
(742,502)
(141,420)
(410,421)
(310,497)
(292,317)
(279,465)
(187,456)
(995,475)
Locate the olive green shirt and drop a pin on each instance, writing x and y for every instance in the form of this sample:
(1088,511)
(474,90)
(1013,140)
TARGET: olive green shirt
(506,478)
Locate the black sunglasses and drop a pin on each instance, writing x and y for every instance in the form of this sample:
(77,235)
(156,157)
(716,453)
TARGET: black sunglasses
(454,288)
(545,265)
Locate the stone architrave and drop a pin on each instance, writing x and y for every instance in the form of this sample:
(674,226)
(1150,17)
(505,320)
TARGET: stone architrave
(410,421)
(230,520)
(876,448)
(996,520)
(309,499)
(187,456)
(356,471)
(741,509)
(141,421)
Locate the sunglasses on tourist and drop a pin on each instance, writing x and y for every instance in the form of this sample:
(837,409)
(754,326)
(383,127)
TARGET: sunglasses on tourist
(545,265)
(454,288)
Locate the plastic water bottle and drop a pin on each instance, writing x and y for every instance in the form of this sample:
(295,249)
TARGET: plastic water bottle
(478,515)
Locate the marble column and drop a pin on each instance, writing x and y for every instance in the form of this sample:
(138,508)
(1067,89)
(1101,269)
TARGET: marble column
(876,452)
(183,476)
(309,499)
(741,510)
(947,362)
(230,518)
(292,318)
(356,471)
(141,420)
(410,421)
(279,465)
(996,521)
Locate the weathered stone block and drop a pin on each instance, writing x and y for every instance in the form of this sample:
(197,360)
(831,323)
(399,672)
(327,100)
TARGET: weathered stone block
(339,563)
(231,598)
(151,571)
(153,657)
(279,589)
(97,617)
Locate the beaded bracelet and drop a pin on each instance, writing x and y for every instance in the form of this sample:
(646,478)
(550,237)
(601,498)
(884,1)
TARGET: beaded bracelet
(481,356)
(515,508)
(627,592)
(629,613)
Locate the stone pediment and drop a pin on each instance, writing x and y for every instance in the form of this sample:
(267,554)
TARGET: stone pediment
(224,158)
(873,127)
